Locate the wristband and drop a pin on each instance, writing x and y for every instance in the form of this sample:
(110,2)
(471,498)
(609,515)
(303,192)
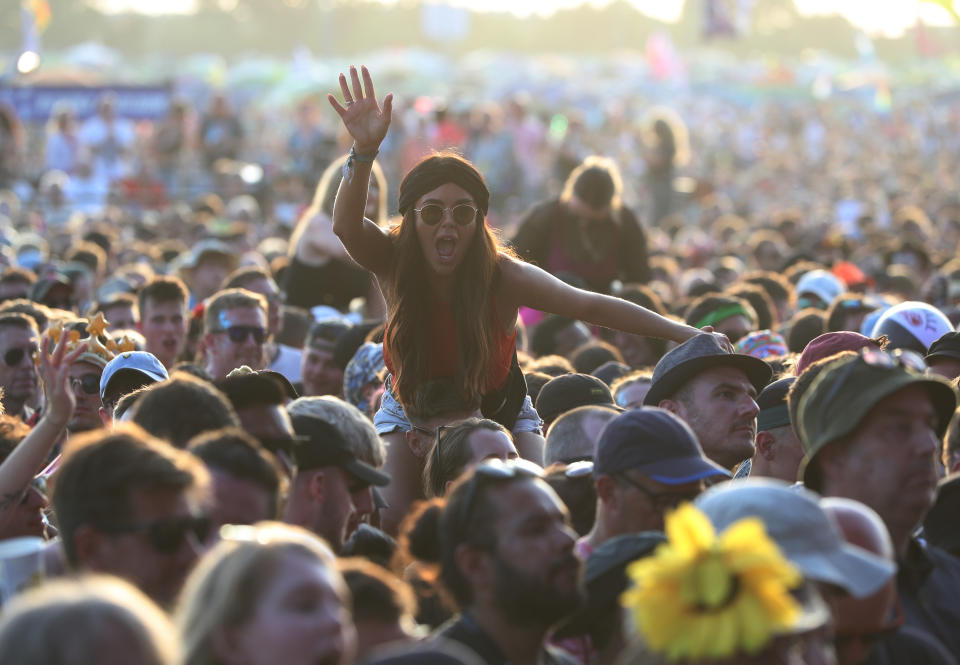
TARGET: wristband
(354,156)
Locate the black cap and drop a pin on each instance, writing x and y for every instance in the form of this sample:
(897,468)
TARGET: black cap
(656,443)
(321,444)
(697,354)
(568,391)
(948,346)
(772,401)
(610,371)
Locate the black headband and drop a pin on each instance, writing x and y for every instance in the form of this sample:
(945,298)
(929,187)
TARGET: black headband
(440,170)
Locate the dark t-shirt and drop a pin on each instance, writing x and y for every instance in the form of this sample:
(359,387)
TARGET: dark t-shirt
(551,237)
(929,586)
(465,630)
(909,646)
(334,284)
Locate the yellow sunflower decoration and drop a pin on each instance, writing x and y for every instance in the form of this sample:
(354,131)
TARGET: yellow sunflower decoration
(701,596)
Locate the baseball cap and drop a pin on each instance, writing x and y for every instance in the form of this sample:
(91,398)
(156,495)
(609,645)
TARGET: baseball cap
(848,388)
(142,362)
(803,531)
(947,346)
(562,393)
(824,285)
(830,344)
(912,325)
(698,353)
(656,443)
(772,401)
(319,444)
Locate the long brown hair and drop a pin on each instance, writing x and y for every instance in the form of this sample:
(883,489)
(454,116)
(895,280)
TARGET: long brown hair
(473,288)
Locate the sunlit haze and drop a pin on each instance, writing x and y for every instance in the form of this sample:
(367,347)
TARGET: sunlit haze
(887,17)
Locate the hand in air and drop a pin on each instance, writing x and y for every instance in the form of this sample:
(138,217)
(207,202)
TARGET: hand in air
(724,340)
(54,369)
(363,117)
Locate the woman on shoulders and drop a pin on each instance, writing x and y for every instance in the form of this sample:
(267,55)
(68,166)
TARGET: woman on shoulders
(452,290)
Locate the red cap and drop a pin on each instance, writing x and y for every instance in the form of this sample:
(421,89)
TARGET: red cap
(829,344)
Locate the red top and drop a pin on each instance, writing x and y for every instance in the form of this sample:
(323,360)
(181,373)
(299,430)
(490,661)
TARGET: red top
(442,341)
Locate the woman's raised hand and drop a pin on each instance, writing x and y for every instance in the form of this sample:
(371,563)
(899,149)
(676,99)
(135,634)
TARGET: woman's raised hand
(363,117)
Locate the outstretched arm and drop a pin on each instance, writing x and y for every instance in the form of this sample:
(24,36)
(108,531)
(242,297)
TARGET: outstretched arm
(535,288)
(26,460)
(367,123)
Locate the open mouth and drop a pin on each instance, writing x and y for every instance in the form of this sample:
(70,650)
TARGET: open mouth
(446,248)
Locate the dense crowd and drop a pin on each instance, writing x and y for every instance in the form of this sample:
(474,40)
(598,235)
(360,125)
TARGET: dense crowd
(411,383)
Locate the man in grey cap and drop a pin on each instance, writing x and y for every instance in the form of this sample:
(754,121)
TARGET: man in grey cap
(714,391)
(871,425)
(647,462)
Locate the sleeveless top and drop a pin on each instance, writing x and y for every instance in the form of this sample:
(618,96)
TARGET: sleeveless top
(442,362)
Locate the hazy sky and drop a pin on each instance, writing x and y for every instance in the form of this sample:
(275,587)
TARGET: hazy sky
(888,17)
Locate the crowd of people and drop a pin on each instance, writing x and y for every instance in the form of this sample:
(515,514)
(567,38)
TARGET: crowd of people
(459,388)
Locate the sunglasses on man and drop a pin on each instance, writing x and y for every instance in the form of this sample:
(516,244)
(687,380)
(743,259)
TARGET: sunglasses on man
(239,334)
(14,356)
(89,383)
(166,536)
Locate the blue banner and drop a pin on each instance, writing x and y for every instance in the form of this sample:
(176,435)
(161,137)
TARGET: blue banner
(34,104)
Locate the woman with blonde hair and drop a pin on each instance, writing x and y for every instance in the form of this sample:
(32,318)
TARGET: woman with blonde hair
(268,593)
(321,272)
(93,619)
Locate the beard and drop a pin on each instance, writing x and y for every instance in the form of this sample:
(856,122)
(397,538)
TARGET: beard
(526,600)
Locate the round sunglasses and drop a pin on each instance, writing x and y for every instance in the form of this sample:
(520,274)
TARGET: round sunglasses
(461,214)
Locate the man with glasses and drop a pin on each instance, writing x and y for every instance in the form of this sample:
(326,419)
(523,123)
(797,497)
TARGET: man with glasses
(85,376)
(871,425)
(235,331)
(648,461)
(18,373)
(131,505)
(279,357)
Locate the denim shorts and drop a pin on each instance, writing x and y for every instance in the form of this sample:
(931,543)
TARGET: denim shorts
(391,418)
